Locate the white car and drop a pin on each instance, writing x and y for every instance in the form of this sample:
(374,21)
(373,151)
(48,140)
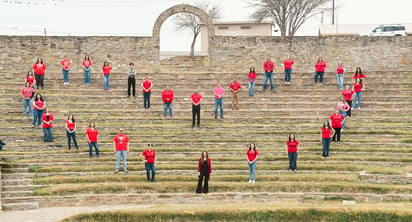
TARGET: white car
(389,30)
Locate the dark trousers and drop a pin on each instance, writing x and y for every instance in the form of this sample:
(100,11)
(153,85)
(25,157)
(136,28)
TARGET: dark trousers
(205,186)
(69,136)
(336,136)
(146,98)
(96,147)
(326,146)
(349,113)
(292,160)
(150,167)
(39,80)
(131,82)
(195,113)
(320,74)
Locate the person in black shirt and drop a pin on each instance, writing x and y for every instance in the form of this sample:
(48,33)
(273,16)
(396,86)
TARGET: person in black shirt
(204,171)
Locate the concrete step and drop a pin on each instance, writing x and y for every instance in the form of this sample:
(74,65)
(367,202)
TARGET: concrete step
(21,187)
(14,176)
(22,182)
(20,206)
(12,194)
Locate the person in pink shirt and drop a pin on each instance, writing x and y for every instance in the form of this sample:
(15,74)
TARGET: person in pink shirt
(343,107)
(235,88)
(167,96)
(65,69)
(319,70)
(219,92)
(252,81)
(27,94)
(287,64)
(268,66)
(147,85)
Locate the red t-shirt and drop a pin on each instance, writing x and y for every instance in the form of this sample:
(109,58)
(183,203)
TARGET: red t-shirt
(65,63)
(320,67)
(234,86)
(149,155)
(268,66)
(70,125)
(252,76)
(30,79)
(167,96)
(292,146)
(326,133)
(340,70)
(347,94)
(359,76)
(27,92)
(106,70)
(357,87)
(196,97)
(146,85)
(251,155)
(87,63)
(121,142)
(40,104)
(92,134)
(288,64)
(39,68)
(337,120)
(44,118)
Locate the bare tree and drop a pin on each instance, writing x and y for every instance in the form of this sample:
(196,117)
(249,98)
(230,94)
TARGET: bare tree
(192,22)
(289,15)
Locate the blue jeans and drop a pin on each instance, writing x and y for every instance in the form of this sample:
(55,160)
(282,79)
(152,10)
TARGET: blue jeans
(340,81)
(358,96)
(252,170)
(28,103)
(121,154)
(167,106)
(252,88)
(87,75)
(146,99)
(65,75)
(344,114)
(320,74)
(288,75)
(292,160)
(219,103)
(106,82)
(150,166)
(270,76)
(326,146)
(48,134)
(96,147)
(37,114)
(69,136)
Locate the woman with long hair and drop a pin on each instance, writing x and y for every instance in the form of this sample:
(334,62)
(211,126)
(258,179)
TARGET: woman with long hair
(47,119)
(319,70)
(293,146)
(358,87)
(92,135)
(71,131)
(30,79)
(39,69)
(27,95)
(287,65)
(204,170)
(326,133)
(340,70)
(38,108)
(252,81)
(343,107)
(149,162)
(252,155)
(87,69)
(359,74)
(106,75)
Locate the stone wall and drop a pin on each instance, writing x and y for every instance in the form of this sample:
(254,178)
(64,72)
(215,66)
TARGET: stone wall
(226,54)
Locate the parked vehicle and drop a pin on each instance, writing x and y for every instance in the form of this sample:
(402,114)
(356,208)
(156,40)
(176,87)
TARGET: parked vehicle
(389,30)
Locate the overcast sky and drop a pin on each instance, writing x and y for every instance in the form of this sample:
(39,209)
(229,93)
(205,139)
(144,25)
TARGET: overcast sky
(136,17)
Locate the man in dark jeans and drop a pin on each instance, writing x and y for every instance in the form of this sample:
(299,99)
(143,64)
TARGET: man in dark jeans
(196,99)
(131,81)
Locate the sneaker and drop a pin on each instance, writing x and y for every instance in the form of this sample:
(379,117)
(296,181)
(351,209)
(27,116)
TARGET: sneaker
(64,83)
(352,108)
(294,171)
(32,126)
(250,181)
(126,171)
(144,108)
(164,116)
(116,171)
(358,108)
(290,170)
(221,117)
(253,181)
(68,83)
(215,117)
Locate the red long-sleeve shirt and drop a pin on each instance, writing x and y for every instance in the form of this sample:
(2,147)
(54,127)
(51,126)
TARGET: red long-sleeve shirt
(268,66)
(208,163)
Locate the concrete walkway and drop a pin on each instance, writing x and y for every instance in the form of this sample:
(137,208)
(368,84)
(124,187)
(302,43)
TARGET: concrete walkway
(59,213)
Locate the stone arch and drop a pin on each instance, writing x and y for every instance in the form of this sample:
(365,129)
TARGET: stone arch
(179,9)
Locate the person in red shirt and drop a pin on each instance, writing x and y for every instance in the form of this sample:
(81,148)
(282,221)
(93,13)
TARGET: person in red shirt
(268,66)
(251,156)
(27,93)
(339,74)
(293,146)
(235,88)
(87,69)
(71,131)
(326,133)
(252,81)
(319,70)
(147,85)
(167,96)
(121,148)
(47,120)
(359,74)
(30,79)
(65,69)
(92,135)
(149,162)
(337,120)
(358,87)
(204,170)
(287,64)
(348,94)
(196,99)
(106,76)
(38,108)
(39,69)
